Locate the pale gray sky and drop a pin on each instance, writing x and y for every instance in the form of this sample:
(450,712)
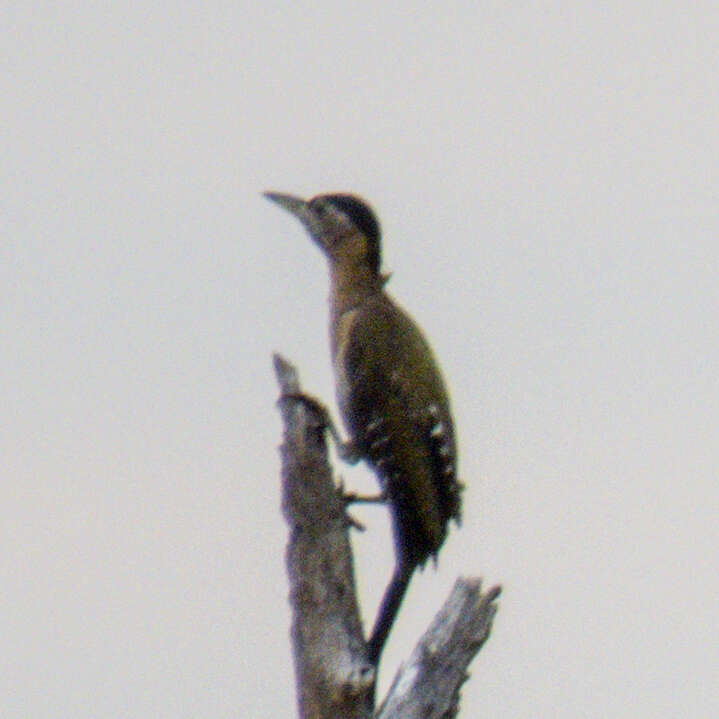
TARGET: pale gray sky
(546,176)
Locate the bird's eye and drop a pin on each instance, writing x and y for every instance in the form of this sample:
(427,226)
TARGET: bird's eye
(319,207)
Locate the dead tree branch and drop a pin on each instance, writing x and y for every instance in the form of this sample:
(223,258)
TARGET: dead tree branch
(334,678)
(427,686)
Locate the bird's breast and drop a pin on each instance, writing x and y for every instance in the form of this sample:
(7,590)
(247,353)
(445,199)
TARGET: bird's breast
(341,330)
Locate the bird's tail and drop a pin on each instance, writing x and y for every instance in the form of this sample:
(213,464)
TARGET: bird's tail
(391,601)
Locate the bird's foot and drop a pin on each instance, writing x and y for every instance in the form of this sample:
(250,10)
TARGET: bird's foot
(354,498)
(343,497)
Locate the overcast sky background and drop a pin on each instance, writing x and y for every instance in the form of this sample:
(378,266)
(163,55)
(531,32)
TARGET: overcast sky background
(546,177)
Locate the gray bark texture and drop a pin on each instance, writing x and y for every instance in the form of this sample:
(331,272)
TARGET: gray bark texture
(334,679)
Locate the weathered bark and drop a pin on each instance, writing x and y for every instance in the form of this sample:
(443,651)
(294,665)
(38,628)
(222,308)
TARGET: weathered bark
(427,686)
(334,678)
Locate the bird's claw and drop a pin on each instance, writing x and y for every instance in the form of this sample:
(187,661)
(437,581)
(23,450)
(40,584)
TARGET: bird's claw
(354,498)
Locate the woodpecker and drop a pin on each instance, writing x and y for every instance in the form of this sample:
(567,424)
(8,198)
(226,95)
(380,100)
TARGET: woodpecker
(390,391)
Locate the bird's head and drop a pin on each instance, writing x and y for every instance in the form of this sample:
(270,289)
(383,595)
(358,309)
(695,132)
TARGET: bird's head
(344,226)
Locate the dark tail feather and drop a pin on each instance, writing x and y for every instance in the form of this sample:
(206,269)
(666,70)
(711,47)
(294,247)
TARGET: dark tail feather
(391,601)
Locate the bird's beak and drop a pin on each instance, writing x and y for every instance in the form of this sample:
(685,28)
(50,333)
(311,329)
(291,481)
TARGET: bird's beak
(296,205)
(301,210)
